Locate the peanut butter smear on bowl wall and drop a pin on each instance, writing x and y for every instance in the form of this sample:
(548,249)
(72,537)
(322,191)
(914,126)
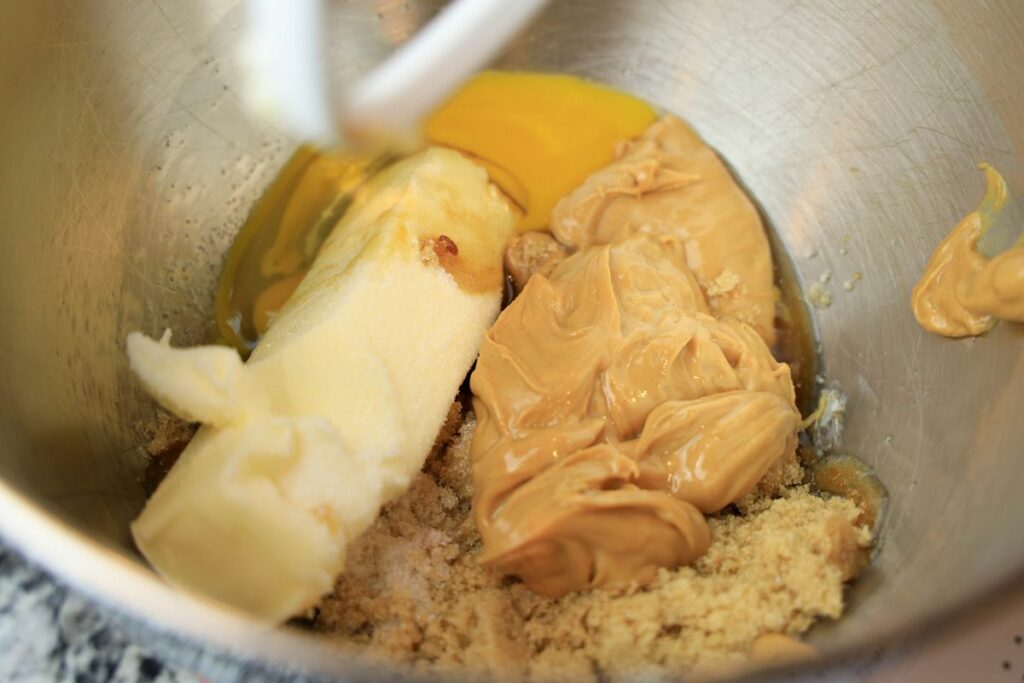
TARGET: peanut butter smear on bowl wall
(614,408)
(962,293)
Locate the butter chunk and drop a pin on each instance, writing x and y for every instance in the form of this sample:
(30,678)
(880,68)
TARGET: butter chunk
(338,406)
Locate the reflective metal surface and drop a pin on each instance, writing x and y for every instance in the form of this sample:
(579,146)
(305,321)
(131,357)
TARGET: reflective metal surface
(127,161)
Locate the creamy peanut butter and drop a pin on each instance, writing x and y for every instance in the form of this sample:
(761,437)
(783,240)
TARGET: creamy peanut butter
(669,182)
(613,411)
(962,292)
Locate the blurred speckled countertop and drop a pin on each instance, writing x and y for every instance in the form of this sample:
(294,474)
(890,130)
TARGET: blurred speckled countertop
(50,633)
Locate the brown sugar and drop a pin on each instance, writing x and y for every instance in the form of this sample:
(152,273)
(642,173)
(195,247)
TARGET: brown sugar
(166,437)
(413,591)
(530,253)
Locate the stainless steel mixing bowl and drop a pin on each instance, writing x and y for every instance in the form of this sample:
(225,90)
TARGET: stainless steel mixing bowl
(127,161)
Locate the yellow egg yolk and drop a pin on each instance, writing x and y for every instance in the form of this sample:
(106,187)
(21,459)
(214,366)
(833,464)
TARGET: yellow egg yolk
(539,135)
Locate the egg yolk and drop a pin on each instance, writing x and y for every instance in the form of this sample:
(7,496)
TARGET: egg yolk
(539,135)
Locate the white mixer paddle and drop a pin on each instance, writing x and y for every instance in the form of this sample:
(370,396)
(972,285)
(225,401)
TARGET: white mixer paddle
(290,79)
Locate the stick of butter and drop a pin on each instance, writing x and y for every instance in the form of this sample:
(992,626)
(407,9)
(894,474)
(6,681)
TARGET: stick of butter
(338,406)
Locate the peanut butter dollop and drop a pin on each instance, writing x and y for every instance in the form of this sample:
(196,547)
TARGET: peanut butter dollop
(668,181)
(615,411)
(963,293)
